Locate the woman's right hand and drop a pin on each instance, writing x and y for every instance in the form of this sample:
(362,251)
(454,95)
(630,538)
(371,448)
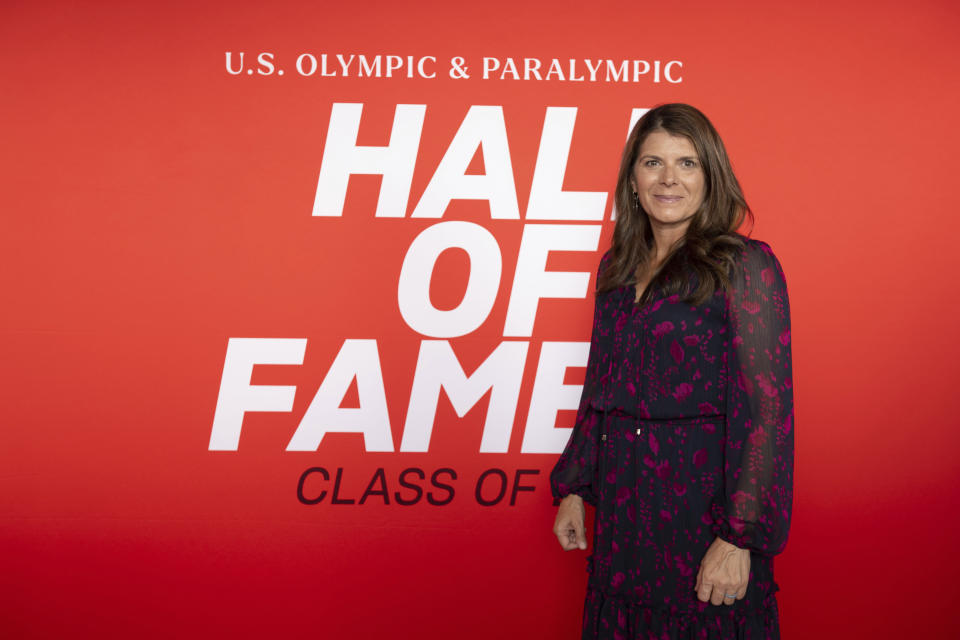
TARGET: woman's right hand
(569,526)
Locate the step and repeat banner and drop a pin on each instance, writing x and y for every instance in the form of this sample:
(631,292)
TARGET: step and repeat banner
(297,301)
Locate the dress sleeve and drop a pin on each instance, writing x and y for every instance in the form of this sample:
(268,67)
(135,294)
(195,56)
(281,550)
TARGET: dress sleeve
(576,469)
(753,511)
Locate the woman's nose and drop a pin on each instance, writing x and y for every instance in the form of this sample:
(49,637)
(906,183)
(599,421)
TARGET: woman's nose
(669,176)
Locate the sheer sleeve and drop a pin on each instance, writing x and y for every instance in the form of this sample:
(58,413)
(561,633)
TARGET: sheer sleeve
(753,511)
(576,468)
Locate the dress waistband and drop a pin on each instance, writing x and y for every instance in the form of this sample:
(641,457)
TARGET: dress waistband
(623,415)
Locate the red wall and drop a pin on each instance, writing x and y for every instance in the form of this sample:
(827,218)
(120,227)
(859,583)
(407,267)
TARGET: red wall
(155,206)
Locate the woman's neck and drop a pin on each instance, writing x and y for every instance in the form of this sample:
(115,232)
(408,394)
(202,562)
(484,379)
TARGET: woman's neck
(665,238)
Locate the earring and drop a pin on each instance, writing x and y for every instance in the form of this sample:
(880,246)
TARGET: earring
(636,200)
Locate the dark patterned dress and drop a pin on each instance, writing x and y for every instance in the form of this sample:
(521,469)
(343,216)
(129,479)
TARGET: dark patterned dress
(685,433)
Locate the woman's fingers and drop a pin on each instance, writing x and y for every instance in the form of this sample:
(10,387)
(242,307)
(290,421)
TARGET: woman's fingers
(568,526)
(718,594)
(563,529)
(704,591)
(580,535)
(716,597)
(724,574)
(734,593)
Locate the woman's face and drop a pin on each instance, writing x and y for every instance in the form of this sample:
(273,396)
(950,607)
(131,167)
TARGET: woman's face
(669,180)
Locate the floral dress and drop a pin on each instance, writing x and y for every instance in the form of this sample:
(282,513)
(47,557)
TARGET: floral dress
(685,433)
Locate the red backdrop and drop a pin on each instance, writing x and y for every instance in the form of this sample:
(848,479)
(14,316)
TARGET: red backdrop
(156,206)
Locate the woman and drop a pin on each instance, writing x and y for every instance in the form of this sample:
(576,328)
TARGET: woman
(683,440)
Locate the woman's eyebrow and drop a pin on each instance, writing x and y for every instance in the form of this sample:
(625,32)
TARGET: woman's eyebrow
(656,157)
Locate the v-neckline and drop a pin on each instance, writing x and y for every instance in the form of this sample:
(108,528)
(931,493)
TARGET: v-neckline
(637,294)
(631,295)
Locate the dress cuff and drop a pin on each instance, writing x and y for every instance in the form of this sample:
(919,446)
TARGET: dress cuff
(733,530)
(561,491)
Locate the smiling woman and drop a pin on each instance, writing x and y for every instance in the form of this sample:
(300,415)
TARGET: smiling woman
(684,437)
(668,182)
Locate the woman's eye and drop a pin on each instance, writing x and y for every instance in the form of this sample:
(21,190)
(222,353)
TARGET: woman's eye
(651,163)
(690,164)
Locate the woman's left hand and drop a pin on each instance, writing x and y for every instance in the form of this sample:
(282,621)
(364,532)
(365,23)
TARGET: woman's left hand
(724,573)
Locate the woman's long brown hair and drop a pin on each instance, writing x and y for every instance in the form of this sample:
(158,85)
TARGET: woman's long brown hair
(711,243)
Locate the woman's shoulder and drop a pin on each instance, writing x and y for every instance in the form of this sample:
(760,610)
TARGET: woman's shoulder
(757,257)
(756,252)
(753,246)
(605,261)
